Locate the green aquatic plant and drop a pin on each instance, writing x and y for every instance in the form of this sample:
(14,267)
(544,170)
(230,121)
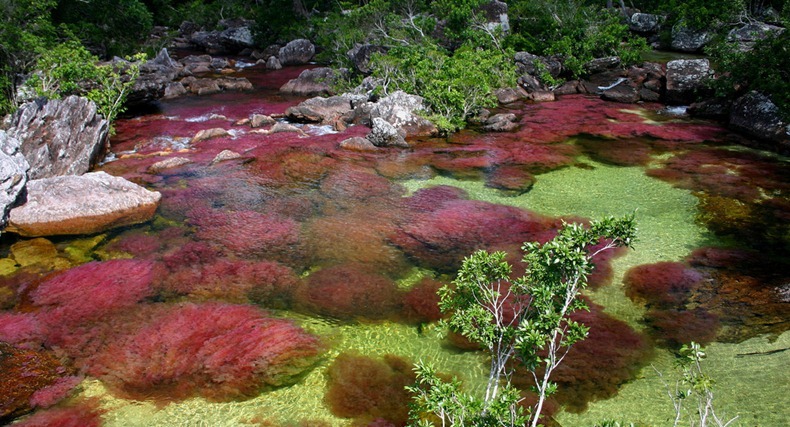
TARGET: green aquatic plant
(526,319)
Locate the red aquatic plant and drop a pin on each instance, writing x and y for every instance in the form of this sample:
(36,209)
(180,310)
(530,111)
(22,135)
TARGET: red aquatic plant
(594,368)
(138,244)
(52,394)
(358,235)
(421,302)
(510,178)
(86,413)
(265,282)
(441,238)
(348,291)
(663,284)
(677,327)
(249,233)
(219,351)
(620,152)
(23,373)
(369,389)
(355,186)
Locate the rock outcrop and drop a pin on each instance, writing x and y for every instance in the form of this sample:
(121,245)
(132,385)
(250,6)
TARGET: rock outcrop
(756,115)
(13,175)
(85,204)
(312,82)
(400,110)
(296,52)
(687,39)
(59,137)
(685,79)
(320,110)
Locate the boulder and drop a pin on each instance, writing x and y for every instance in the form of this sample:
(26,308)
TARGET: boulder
(168,163)
(312,82)
(358,143)
(360,56)
(400,110)
(756,115)
(625,92)
(599,65)
(715,108)
(174,90)
(225,155)
(749,34)
(273,63)
(206,134)
(13,174)
(644,23)
(204,86)
(59,137)
(319,109)
(234,83)
(686,79)
(86,204)
(503,122)
(510,95)
(155,76)
(258,120)
(296,52)
(687,39)
(384,134)
(495,15)
(210,41)
(237,38)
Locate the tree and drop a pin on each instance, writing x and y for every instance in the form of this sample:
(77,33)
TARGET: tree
(694,386)
(526,320)
(25,28)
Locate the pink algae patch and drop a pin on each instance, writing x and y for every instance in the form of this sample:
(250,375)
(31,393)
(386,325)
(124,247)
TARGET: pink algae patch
(441,237)
(348,292)
(219,351)
(248,233)
(84,414)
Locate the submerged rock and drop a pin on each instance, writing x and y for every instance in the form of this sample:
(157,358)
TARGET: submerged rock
(85,204)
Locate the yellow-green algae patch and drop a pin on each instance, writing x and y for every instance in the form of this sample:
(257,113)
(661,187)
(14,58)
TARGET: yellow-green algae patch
(750,382)
(302,401)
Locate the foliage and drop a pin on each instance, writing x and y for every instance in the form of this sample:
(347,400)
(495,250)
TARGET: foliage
(455,86)
(278,21)
(576,32)
(696,387)
(25,28)
(107,27)
(69,69)
(525,319)
(765,68)
(703,13)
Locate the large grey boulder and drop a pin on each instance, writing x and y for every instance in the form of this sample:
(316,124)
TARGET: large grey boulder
(312,82)
(687,39)
(496,17)
(239,38)
(644,23)
(749,34)
(685,79)
(86,204)
(296,52)
(155,76)
(383,134)
(13,175)
(400,109)
(756,115)
(319,109)
(59,137)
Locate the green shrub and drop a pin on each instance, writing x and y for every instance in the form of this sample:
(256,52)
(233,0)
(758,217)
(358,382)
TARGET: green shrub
(765,68)
(455,86)
(577,32)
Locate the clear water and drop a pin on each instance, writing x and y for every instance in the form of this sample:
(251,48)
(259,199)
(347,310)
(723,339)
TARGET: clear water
(347,213)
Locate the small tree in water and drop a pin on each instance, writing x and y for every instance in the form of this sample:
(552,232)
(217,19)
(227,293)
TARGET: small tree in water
(526,319)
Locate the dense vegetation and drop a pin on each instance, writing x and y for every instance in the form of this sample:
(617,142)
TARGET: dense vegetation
(428,42)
